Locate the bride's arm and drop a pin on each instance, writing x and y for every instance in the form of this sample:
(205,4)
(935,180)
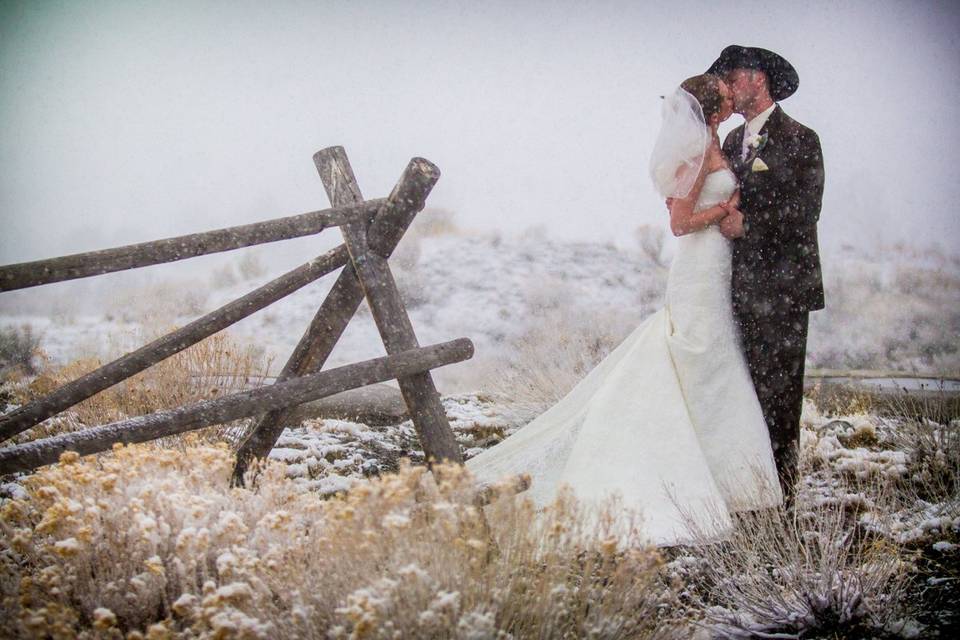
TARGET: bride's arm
(683,220)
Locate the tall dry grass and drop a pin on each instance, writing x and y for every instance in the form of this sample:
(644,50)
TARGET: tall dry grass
(927,428)
(809,572)
(559,348)
(218,365)
(155,542)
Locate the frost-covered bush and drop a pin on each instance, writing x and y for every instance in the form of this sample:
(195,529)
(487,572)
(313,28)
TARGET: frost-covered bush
(650,238)
(891,309)
(160,304)
(808,573)
(18,349)
(910,440)
(412,291)
(927,430)
(223,277)
(143,537)
(433,221)
(251,266)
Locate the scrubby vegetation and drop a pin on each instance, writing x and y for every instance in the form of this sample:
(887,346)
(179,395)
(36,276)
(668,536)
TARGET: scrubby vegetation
(19,351)
(340,538)
(151,540)
(154,541)
(219,365)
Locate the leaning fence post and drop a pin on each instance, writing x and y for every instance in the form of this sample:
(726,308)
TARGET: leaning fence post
(331,319)
(396,330)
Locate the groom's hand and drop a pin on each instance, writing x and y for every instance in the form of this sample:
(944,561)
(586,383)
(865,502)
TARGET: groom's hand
(731,225)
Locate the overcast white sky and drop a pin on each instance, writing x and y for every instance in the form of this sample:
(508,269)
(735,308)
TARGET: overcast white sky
(129,121)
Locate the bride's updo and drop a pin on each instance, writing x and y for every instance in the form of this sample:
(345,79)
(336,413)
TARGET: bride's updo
(706,89)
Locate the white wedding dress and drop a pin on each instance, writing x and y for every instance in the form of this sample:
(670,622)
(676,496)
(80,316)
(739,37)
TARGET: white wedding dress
(669,420)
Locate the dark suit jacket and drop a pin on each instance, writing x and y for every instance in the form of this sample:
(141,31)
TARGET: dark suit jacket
(776,264)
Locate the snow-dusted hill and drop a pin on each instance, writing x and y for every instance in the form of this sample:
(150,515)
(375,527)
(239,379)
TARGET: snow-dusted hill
(888,309)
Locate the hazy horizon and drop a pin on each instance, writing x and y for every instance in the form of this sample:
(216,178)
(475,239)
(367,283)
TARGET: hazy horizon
(130,121)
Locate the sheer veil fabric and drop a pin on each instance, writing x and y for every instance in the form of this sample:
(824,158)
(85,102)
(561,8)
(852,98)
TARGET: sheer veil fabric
(681,145)
(669,422)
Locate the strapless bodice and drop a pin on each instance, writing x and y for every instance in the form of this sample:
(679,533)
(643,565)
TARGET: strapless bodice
(699,277)
(718,186)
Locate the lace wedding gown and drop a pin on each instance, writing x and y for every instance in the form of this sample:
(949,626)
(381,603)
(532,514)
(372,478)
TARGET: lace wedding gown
(669,420)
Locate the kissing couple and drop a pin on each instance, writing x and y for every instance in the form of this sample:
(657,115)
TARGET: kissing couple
(696,414)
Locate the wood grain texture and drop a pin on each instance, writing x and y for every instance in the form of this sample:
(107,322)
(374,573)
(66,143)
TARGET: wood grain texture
(83,265)
(30,455)
(132,363)
(340,305)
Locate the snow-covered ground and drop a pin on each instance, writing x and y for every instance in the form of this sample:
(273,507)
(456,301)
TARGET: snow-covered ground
(887,309)
(330,455)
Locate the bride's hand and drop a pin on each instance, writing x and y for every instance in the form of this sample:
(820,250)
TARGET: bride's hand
(734,201)
(731,226)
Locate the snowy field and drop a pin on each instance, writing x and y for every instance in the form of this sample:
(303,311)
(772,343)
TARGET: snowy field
(894,308)
(871,551)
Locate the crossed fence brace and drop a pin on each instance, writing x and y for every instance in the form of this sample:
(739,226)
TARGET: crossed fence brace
(371,230)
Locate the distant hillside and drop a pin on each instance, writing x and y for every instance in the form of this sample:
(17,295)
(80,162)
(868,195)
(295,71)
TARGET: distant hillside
(890,309)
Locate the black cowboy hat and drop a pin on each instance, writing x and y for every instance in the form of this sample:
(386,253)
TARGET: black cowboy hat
(781,76)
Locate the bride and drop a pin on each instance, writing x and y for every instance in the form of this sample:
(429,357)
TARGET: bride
(669,422)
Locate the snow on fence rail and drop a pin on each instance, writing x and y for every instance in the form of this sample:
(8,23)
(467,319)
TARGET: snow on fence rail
(310,387)
(93,263)
(371,230)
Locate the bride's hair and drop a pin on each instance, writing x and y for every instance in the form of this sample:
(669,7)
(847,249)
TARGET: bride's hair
(706,89)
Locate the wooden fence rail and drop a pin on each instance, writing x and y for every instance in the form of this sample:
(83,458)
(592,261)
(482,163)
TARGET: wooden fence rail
(83,265)
(78,390)
(30,455)
(371,230)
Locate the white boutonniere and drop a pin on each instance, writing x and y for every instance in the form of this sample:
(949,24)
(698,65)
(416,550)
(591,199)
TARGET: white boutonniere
(759,165)
(757,142)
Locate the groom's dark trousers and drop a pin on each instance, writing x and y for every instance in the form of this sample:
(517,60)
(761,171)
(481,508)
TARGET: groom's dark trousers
(776,278)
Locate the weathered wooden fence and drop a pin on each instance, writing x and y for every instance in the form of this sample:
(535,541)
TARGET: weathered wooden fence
(371,230)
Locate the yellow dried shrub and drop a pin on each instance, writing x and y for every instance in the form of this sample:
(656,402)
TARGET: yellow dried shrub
(144,536)
(218,365)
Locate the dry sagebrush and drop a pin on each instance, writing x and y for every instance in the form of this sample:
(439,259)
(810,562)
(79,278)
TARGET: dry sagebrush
(928,431)
(803,574)
(153,541)
(834,566)
(561,347)
(19,350)
(218,365)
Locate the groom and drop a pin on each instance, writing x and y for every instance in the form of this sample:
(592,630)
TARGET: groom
(776,279)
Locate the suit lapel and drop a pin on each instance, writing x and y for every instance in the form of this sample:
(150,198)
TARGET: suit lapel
(769,127)
(735,151)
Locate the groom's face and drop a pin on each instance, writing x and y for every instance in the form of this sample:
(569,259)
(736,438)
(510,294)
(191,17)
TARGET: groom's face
(744,85)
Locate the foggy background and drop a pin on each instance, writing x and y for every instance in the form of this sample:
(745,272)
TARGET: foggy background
(131,121)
